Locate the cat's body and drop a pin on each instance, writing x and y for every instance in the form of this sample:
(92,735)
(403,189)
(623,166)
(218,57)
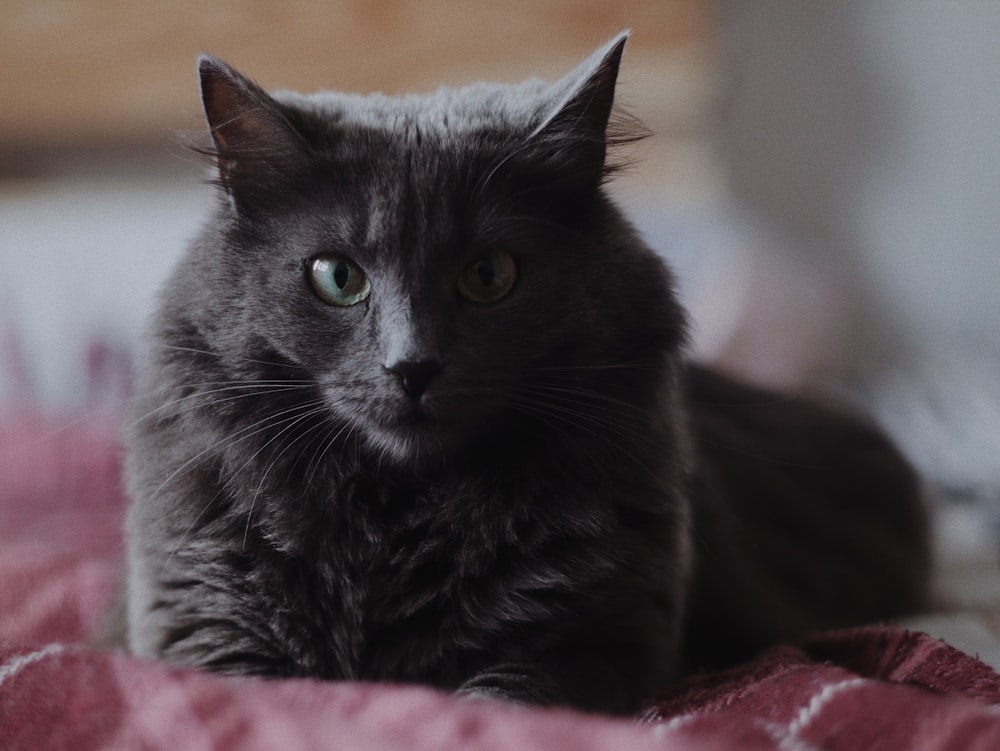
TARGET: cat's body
(416,409)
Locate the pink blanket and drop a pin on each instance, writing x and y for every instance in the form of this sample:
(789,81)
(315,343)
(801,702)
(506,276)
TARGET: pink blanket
(60,547)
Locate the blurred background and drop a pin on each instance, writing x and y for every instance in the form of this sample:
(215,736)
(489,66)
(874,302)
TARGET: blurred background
(825,178)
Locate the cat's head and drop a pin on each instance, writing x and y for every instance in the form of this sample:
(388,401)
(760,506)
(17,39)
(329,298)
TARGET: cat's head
(440,266)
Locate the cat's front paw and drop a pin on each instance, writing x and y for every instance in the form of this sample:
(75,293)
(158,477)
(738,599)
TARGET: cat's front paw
(512,683)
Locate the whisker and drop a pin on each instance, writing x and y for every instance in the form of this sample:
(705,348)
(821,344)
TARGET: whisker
(210,353)
(564,426)
(269,388)
(247,432)
(313,407)
(582,418)
(333,432)
(575,418)
(590,399)
(596,404)
(260,485)
(190,528)
(641,366)
(234,382)
(578,422)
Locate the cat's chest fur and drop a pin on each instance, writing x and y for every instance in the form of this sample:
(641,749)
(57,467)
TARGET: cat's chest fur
(415,578)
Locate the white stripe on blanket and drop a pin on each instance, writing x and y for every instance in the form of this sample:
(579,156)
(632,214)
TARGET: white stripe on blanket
(19,663)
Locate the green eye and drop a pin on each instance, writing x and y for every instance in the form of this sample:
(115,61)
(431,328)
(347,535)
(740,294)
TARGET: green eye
(489,279)
(338,281)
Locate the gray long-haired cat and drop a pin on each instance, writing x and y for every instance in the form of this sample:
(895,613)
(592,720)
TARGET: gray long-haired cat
(416,409)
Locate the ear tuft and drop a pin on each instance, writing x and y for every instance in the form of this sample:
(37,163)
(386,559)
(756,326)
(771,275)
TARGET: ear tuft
(575,137)
(591,90)
(255,144)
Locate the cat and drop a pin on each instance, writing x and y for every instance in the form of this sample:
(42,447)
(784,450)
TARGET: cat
(417,408)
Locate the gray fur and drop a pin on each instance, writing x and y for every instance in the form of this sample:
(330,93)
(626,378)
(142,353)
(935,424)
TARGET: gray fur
(520,525)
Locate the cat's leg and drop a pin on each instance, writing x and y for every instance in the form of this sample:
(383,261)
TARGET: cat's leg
(595,675)
(190,610)
(519,683)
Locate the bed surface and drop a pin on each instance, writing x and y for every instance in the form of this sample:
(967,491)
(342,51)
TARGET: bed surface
(69,322)
(61,510)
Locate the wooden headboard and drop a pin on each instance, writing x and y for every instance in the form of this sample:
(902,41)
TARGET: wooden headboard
(101,73)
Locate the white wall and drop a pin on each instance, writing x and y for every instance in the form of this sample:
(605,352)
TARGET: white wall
(862,143)
(866,135)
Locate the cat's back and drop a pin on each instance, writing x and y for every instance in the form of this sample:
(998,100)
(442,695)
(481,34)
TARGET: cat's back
(806,517)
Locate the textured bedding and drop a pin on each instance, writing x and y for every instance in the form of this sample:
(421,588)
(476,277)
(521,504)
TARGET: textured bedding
(60,549)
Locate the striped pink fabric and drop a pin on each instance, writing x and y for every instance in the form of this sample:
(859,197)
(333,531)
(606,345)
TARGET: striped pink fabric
(60,548)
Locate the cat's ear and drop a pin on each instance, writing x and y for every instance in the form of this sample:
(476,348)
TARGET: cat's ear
(256,148)
(573,139)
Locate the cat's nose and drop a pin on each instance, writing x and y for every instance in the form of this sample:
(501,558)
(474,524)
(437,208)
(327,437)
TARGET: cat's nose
(415,375)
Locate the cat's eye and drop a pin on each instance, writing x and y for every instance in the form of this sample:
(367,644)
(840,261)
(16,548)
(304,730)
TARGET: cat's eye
(489,279)
(338,281)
